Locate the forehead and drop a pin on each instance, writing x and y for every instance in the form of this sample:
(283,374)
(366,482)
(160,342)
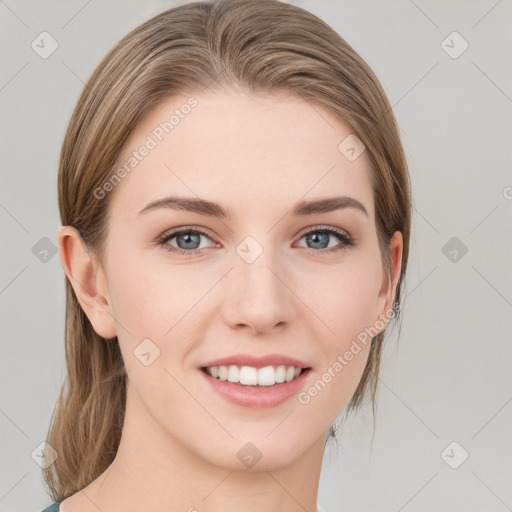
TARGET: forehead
(244,151)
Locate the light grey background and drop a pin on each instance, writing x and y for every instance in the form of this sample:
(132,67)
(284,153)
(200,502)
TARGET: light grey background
(448,378)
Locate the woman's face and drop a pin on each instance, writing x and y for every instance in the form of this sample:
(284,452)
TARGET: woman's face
(250,283)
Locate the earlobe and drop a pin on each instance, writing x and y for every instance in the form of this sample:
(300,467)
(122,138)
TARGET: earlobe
(88,281)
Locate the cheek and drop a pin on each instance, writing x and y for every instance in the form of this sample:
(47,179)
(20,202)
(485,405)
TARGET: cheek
(344,299)
(149,296)
(345,308)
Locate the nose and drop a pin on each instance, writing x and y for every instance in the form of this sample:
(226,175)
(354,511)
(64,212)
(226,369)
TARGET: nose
(258,296)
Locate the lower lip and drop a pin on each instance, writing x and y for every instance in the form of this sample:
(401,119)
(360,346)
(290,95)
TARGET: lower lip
(257,396)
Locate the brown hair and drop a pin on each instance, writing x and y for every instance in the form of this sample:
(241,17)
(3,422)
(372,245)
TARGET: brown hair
(260,47)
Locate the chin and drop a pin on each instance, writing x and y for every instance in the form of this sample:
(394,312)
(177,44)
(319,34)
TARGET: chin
(259,453)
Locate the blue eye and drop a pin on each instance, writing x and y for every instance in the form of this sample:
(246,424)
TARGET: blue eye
(189,240)
(319,235)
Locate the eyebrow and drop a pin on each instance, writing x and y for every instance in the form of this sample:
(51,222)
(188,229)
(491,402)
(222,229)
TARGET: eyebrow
(300,209)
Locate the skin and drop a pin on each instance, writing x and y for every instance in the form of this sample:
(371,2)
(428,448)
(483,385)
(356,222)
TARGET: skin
(256,156)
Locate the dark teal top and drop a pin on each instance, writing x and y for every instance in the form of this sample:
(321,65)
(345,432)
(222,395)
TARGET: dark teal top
(54,507)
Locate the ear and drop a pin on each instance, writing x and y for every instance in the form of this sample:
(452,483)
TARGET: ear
(388,289)
(88,280)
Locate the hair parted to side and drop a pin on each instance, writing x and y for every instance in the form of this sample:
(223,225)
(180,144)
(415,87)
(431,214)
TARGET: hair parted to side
(258,47)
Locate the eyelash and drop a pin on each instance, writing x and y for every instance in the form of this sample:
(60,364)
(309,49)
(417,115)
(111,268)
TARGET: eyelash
(345,239)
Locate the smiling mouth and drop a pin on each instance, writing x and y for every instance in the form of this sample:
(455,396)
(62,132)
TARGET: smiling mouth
(255,377)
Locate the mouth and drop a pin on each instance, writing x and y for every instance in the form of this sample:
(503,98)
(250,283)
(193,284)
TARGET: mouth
(249,386)
(254,381)
(250,376)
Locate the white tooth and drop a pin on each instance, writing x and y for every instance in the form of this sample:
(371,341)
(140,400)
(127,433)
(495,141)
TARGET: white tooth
(266,376)
(234,373)
(280,374)
(223,372)
(290,372)
(248,376)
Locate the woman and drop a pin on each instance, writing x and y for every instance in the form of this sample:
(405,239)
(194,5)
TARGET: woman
(235,207)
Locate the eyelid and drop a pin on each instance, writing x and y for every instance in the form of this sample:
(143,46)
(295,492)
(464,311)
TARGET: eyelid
(320,227)
(204,231)
(179,229)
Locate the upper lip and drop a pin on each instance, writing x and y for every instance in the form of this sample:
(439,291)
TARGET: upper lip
(257,362)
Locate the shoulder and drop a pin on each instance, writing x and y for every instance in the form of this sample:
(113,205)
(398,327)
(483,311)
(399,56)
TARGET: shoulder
(54,507)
